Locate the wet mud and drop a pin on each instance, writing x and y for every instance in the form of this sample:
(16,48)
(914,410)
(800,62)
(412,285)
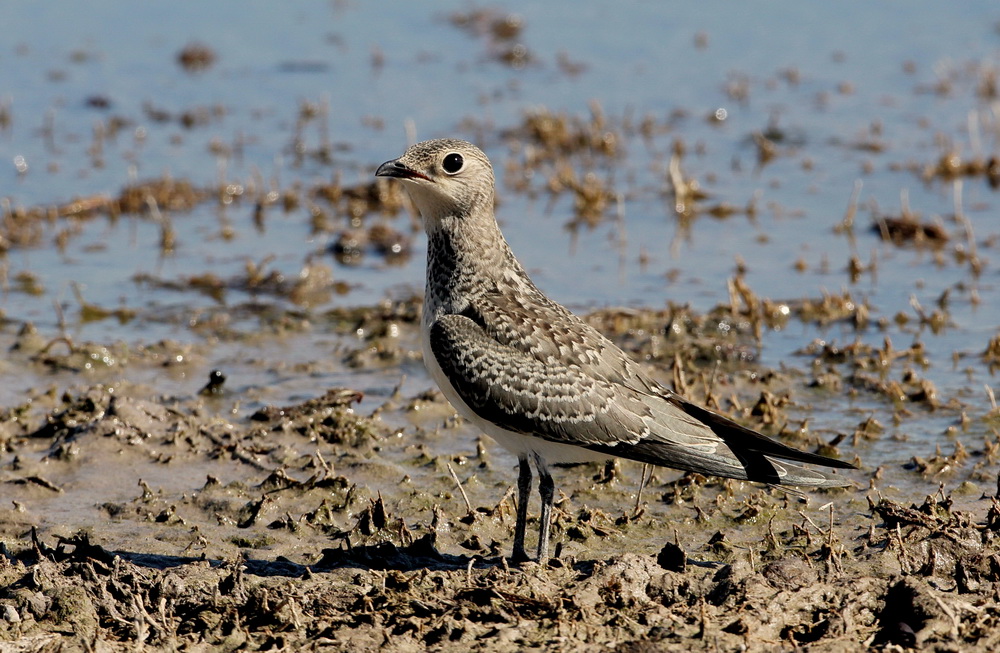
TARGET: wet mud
(336,522)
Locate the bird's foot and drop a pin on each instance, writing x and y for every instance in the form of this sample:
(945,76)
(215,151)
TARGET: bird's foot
(519,557)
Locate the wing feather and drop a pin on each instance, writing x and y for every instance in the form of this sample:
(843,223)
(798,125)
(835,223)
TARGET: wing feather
(517,391)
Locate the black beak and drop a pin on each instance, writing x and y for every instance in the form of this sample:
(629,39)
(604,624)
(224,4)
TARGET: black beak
(399,170)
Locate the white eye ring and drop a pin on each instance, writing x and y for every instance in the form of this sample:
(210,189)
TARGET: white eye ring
(453,163)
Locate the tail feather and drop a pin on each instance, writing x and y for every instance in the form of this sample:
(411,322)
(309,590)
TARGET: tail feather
(764,459)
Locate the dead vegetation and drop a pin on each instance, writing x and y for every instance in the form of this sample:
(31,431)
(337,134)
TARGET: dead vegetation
(344,531)
(752,571)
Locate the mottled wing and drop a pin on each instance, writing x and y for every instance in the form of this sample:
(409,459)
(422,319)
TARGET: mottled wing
(530,322)
(677,433)
(517,391)
(520,393)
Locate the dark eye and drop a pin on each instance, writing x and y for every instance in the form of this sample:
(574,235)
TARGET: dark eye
(453,163)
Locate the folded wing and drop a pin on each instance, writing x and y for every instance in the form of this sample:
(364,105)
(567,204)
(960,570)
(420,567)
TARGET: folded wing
(561,403)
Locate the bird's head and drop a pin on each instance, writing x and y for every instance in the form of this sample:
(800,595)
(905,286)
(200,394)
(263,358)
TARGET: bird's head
(445,178)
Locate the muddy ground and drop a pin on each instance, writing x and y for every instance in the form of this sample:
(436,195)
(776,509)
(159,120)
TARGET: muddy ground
(186,523)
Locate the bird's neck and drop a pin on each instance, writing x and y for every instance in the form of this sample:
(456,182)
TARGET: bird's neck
(466,259)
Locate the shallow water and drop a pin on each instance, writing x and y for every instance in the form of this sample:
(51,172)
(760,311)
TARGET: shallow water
(858,92)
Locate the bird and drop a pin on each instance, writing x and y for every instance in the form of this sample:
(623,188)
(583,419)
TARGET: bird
(538,379)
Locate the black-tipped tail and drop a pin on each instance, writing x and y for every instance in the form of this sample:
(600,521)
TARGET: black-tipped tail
(766,460)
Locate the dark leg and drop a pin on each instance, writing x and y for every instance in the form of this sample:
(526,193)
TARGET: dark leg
(523,494)
(547,490)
